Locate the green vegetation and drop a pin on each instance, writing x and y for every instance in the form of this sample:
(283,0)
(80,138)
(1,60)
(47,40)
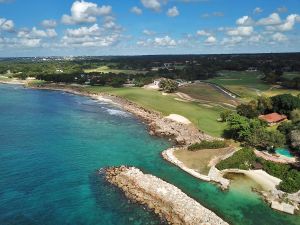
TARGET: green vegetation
(108,69)
(168,85)
(208,145)
(242,159)
(204,118)
(246,159)
(245,84)
(205,93)
(249,85)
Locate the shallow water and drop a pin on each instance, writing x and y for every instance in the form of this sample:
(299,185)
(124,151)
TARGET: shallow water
(51,145)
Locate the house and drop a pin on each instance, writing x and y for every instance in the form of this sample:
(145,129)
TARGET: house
(273,118)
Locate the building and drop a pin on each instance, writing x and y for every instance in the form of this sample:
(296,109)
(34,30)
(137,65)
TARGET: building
(273,118)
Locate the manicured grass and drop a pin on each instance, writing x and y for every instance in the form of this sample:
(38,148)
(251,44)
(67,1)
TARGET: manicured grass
(205,92)
(291,75)
(249,84)
(106,69)
(204,118)
(199,160)
(246,84)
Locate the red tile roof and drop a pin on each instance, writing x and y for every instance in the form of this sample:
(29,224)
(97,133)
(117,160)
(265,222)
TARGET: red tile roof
(273,117)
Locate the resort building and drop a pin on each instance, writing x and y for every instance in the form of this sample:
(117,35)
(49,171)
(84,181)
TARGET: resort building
(273,118)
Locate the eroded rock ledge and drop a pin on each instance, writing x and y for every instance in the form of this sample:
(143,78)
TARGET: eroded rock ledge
(166,200)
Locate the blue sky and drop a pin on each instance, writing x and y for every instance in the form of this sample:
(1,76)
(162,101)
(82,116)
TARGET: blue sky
(136,27)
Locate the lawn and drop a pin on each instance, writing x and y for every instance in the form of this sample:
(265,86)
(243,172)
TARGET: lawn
(107,69)
(199,160)
(207,93)
(204,118)
(291,75)
(249,84)
(246,84)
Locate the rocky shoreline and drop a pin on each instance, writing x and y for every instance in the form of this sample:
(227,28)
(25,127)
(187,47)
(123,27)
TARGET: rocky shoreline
(166,200)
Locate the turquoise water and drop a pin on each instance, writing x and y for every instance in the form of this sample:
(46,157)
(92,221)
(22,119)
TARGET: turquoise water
(284,152)
(51,145)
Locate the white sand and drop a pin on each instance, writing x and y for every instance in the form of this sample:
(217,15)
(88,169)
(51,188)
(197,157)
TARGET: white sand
(261,177)
(178,118)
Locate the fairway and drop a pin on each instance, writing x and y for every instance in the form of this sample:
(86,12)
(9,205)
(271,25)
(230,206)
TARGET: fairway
(204,118)
(106,69)
(204,92)
(249,85)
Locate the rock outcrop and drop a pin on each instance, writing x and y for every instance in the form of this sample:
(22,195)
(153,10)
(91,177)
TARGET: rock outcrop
(166,200)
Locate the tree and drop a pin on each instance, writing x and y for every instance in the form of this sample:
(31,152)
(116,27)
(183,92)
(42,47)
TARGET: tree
(295,115)
(285,103)
(168,85)
(224,115)
(248,110)
(264,139)
(264,105)
(295,139)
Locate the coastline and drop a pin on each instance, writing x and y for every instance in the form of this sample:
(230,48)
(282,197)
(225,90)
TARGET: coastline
(182,134)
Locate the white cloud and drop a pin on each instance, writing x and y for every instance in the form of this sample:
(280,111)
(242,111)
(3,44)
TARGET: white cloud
(93,36)
(49,23)
(258,10)
(245,21)
(289,22)
(164,41)
(279,37)
(241,31)
(85,12)
(6,25)
(211,40)
(231,41)
(148,32)
(136,10)
(273,19)
(152,4)
(35,33)
(256,38)
(173,12)
(203,33)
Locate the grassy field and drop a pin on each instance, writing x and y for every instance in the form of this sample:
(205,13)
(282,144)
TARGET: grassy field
(106,69)
(204,118)
(199,160)
(249,84)
(291,75)
(206,93)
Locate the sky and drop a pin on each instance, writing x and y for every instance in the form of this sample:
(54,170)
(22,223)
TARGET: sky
(142,27)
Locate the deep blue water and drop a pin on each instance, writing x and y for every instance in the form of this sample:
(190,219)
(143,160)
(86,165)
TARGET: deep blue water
(51,145)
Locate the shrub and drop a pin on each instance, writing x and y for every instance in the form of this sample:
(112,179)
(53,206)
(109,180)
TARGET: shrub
(208,145)
(242,159)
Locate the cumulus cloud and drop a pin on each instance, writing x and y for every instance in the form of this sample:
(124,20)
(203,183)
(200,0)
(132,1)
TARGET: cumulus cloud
(6,25)
(279,37)
(35,33)
(258,10)
(148,32)
(203,33)
(92,36)
(241,31)
(49,23)
(231,41)
(211,40)
(85,12)
(173,12)
(152,4)
(273,19)
(136,10)
(165,41)
(245,21)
